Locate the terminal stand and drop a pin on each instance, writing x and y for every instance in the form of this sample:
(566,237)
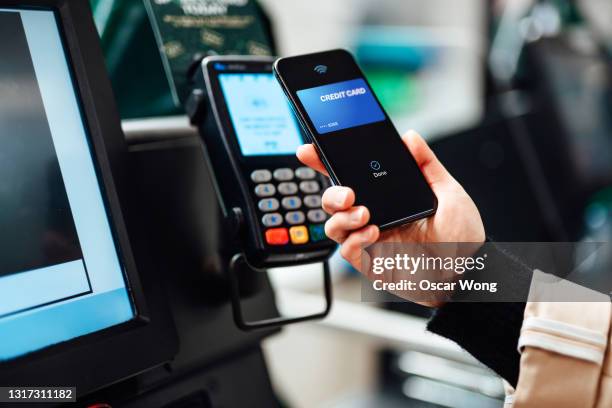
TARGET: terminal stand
(238,266)
(239,276)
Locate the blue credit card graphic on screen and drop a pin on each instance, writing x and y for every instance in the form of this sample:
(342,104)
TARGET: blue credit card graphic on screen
(341,105)
(60,274)
(261,115)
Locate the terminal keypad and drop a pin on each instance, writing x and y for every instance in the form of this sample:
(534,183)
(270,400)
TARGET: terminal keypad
(289,203)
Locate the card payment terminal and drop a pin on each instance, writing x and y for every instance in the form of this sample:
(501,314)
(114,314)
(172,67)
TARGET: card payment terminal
(250,136)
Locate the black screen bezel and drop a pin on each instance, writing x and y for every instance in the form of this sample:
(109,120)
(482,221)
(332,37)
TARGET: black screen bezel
(62,364)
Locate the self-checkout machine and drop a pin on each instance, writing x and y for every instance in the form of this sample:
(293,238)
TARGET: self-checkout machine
(177,316)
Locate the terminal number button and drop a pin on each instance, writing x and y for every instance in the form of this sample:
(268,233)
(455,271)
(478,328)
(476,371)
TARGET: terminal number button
(299,235)
(261,176)
(287,188)
(272,220)
(312,201)
(265,190)
(317,216)
(305,173)
(295,217)
(310,187)
(284,174)
(277,236)
(268,204)
(292,203)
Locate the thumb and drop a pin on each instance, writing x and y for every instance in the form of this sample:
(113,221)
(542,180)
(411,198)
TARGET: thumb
(434,172)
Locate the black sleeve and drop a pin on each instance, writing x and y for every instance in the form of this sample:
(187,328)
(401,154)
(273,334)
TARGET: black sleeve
(489,330)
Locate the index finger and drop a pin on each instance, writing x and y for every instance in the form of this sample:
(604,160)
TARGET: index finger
(307,154)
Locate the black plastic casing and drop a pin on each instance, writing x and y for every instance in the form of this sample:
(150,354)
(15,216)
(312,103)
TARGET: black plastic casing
(232,170)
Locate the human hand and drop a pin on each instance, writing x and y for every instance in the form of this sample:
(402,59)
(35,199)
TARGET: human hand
(456,220)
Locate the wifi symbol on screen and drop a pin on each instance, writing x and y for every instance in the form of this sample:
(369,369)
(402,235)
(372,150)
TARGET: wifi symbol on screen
(320,69)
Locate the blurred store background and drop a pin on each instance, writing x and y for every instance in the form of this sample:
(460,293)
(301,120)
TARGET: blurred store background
(515,97)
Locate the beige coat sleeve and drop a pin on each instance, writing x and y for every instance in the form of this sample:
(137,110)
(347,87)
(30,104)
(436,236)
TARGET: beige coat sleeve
(565,360)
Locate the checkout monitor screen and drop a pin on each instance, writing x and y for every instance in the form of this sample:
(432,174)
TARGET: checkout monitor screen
(260,113)
(60,274)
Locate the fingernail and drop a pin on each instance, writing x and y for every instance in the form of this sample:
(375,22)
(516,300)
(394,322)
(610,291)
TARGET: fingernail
(357,215)
(341,198)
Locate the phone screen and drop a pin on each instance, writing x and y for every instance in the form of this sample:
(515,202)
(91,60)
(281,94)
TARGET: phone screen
(341,105)
(355,137)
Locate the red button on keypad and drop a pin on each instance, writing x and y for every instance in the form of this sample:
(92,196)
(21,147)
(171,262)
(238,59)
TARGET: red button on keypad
(277,236)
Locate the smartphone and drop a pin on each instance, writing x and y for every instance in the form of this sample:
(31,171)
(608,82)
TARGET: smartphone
(354,137)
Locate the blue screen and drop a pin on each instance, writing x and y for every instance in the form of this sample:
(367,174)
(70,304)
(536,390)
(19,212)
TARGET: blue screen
(60,274)
(260,113)
(341,105)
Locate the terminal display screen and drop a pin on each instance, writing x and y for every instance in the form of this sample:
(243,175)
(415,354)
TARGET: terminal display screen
(261,116)
(60,273)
